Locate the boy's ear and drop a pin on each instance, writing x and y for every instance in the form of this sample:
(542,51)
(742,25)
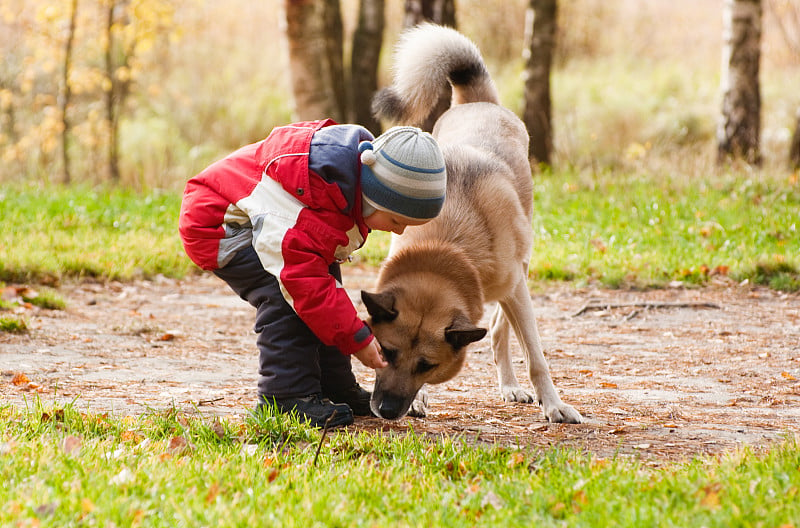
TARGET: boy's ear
(380,306)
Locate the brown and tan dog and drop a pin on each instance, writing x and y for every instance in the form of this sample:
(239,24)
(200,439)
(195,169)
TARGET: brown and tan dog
(432,288)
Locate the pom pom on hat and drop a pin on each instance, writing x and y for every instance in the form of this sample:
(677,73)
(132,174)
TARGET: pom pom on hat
(403,171)
(368,157)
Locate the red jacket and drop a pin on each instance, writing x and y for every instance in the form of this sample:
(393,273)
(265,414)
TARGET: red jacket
(299,220)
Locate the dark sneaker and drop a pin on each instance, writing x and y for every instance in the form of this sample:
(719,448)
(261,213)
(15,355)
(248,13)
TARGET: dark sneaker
(314,409)
(356,397)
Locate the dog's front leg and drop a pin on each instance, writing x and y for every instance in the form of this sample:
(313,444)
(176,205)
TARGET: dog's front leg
(419,407)
(510,389)
(518,307)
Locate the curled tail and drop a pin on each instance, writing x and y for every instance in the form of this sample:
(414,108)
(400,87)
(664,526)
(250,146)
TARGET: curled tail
(428,60)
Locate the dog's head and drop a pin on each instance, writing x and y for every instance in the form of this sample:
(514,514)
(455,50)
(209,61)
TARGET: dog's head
(423,338)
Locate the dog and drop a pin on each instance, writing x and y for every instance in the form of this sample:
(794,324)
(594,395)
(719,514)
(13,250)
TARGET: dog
(432,288)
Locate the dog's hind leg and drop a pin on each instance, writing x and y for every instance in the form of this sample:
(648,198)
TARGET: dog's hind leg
(518,307)
(510,389)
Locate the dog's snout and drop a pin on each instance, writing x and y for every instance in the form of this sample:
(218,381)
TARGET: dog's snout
(390,407)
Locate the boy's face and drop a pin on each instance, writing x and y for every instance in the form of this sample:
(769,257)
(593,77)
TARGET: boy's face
(386,221)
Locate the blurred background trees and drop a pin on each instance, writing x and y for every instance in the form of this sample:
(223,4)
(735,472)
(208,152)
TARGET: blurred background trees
(148,92)
(540,45)
(739,128)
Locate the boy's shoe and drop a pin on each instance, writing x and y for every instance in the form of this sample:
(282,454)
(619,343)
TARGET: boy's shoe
(356,397)
(315,409)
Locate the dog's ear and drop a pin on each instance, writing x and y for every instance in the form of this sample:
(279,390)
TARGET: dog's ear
(462,332)
(380,306)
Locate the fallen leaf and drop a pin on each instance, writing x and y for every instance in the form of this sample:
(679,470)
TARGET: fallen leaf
(71,445)
(607,385)
(20,379)
(598,245)
(720,270)
(710,496)
(516,459)
(218,428)
(178,445)
(213,491)
(166,337)
(557,509)
(788,376)
(47,509)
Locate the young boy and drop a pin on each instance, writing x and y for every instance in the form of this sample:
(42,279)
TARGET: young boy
(274,220)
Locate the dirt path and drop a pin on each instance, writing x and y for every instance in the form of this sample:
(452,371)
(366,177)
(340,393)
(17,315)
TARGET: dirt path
(663,382)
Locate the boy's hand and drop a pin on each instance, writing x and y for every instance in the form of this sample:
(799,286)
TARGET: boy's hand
(370,356)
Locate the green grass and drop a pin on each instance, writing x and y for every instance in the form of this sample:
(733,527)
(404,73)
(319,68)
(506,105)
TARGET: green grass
(647,230)
(617,229)
(47,232)
(62,467)
(12,324)
(47,298)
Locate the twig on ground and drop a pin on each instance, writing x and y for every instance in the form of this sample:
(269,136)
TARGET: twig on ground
(631,315)
(209,401)
(598,305)
(324,434)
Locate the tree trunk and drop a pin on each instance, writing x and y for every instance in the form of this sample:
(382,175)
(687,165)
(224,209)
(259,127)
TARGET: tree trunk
(442,12)
(67,95)
(314,36)
(111,105)
(794,148)
(540,37)
(367,40)
(334,34)
(740,119)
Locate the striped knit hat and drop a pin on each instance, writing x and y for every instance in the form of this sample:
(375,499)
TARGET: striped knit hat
(402,172)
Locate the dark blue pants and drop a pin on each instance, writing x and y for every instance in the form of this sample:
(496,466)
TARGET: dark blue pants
(293,362)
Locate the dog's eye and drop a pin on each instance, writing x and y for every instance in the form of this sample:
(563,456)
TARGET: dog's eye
(389,354)
(424,366)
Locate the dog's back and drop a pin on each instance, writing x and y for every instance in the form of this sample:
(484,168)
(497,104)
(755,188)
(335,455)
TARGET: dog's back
(489,190)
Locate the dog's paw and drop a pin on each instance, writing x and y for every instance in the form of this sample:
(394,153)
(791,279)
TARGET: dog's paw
(517,394)
(419,407)
(562,413)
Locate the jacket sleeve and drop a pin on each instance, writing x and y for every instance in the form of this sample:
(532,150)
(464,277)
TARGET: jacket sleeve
(316,296)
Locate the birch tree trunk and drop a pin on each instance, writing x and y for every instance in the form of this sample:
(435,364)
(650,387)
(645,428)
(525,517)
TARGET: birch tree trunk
(540,36)
(740,120)
(314,37)
(367,40)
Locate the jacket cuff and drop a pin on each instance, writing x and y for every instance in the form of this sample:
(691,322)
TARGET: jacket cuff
(358,341)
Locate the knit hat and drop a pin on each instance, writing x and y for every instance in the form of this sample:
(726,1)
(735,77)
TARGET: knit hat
(402,171)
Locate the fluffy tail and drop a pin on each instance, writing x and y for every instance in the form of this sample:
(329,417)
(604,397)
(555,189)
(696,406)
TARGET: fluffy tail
(426,59)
